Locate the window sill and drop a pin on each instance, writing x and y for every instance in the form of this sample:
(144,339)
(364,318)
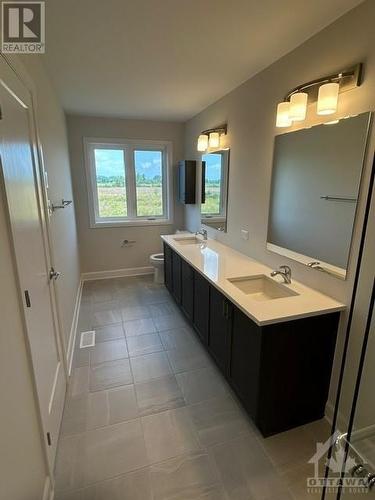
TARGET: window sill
(132,223)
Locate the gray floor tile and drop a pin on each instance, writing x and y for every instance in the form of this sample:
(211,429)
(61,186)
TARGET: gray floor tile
(110,374)
(163,309)
(136,312)
(70,463)
(245,470)
(79,382)
(75,416)
(112,305)
(218,420)
(81,357)
(97,410)
(190,358)
(122,404)
(131,486)
(139,327)
(114,450)
(178,338)
(110,332)
(158,395)
(190,476)
(101,295)
(169,322)
(70,495)
(169,434)
(103,318)
(108,351)
(201,384)
(150,366)
(144,344)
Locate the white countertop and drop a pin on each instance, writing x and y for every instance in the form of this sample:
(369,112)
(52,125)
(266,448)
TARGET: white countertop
(218,262)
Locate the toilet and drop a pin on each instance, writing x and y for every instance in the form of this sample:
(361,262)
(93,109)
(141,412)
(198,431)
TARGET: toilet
(157,261)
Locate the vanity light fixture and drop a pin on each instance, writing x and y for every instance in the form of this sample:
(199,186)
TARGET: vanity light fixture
(323,90)
(212,138)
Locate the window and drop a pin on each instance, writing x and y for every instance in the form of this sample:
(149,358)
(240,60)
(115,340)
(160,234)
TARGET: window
(214,185)
(129,182)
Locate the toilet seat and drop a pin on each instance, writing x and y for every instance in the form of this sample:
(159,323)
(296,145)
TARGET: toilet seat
(157,257)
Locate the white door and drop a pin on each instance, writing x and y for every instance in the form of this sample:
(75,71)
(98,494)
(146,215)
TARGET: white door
(28,230)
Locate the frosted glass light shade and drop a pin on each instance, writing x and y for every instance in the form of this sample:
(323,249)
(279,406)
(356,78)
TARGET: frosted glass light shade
(328,98)
(214,140)
(224,142)
(282,117)
(202,142)
(298,106)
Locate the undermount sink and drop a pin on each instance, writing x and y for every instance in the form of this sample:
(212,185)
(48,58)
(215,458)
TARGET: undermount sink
(261,287)
(190,240)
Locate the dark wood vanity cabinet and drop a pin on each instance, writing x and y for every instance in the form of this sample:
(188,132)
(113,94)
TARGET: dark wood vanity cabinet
(187,289)
(176,277)
(201,306)
(280,372)
(168,268)
(220,319)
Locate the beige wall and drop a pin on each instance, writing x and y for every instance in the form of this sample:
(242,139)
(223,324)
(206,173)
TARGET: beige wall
(101,247)
(250,113)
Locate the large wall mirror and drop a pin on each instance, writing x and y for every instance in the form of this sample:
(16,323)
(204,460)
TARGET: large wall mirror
(314,192)
(215,173)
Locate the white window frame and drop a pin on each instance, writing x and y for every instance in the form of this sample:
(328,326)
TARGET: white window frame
(129,146)
(221,216)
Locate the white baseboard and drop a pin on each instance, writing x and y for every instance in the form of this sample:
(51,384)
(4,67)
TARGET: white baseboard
(48,492)
(117,273)
(73,329)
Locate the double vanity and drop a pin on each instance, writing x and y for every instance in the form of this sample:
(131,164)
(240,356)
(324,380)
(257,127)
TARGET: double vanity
(273,341)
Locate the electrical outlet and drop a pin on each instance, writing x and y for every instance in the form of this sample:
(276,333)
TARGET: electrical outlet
(244,234)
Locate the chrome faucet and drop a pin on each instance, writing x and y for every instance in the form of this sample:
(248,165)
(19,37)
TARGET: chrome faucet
(315,265)
(203,233)
(286,273)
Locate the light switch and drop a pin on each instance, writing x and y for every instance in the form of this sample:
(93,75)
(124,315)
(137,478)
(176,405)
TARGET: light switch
(244,234)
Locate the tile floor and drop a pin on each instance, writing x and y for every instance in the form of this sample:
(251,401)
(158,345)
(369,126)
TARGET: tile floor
(149,417)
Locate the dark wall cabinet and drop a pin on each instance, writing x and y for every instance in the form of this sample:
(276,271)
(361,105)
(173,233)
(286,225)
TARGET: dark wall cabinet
(280,372)
(187,170)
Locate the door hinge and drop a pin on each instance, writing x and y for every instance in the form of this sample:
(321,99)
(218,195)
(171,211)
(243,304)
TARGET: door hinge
(49,440)
(27,298)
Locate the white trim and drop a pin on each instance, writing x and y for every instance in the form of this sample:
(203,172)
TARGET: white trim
(117,273)
(129,146)
(73,328)
(48,493)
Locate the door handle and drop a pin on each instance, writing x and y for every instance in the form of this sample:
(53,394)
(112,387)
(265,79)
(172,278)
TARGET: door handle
(54,275)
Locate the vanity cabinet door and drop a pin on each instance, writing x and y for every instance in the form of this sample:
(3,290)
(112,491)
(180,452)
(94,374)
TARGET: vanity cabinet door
(168,267)
(176,276)
(187,289)
(220,328)
(201,306)
(245,360)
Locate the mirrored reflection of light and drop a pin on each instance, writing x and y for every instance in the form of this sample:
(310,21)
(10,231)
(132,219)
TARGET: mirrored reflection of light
(210,263)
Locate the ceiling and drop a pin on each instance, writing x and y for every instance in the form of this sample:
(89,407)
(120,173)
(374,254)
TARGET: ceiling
(169,59)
